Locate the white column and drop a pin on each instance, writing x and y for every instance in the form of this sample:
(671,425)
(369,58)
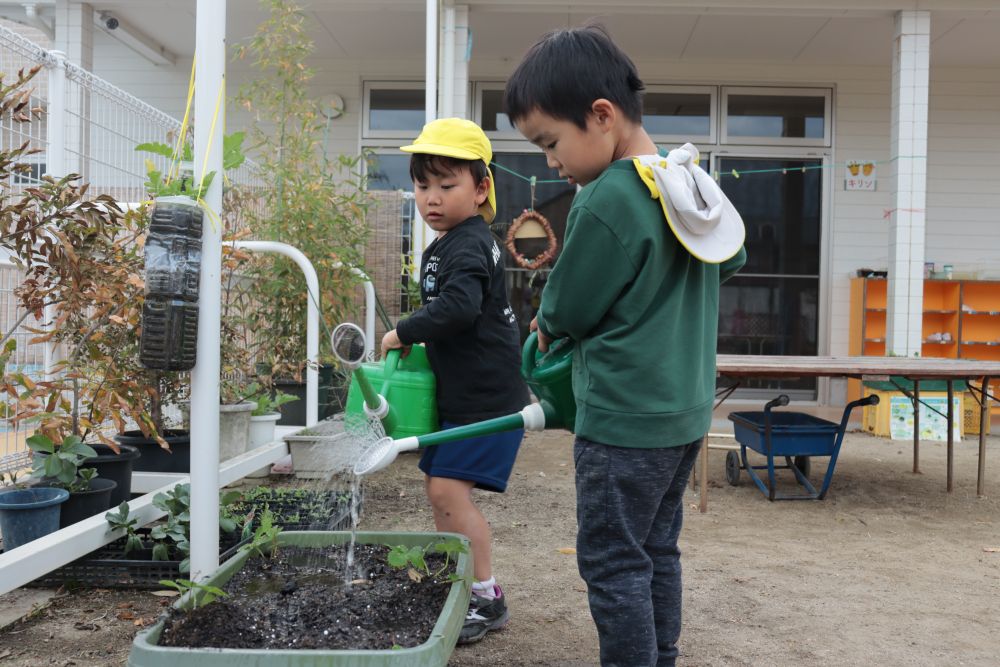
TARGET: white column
(209,122)
(75,32)
(448,63)
(454,62)
(74,28)
(460,69)
(908,150)
(431,62)
(424,235)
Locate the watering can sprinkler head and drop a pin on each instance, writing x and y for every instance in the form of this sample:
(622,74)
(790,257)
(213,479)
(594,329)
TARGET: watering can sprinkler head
(348,343)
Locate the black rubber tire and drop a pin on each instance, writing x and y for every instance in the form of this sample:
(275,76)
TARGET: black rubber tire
(733,468)
(803,464)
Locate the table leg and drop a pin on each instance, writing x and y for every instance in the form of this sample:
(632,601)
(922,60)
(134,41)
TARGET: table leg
(951,433)
(984,415)
(916,427)
(703,477)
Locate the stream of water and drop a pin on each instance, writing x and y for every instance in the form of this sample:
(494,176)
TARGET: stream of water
(362,434)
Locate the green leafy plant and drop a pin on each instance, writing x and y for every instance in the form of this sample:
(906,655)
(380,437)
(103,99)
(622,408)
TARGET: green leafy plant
(172,537)
(180,181)
(62,462)
(267,402)
(10,478)
(121,520)
(265,537)
(415,558)
(200,593)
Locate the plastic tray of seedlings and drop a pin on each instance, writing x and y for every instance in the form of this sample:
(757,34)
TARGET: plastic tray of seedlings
(111,567)
(300,508)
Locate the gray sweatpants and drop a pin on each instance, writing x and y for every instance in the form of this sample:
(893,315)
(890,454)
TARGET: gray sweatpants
(629,514)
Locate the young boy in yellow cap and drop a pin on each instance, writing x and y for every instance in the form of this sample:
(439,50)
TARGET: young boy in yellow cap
(472,343)
(649,239)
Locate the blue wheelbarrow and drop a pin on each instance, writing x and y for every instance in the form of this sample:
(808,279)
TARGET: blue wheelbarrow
(794,436)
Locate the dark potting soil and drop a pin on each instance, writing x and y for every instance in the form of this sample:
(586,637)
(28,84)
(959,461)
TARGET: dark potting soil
(298,600)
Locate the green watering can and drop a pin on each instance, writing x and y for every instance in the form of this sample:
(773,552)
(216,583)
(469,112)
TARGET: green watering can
(548,375)
(405,403)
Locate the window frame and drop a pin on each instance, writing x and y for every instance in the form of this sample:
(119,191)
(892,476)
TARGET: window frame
(765,91)
(479,87)
(369,135)
(713,114)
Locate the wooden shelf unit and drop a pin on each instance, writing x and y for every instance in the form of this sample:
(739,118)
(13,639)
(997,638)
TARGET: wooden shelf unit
(967,310)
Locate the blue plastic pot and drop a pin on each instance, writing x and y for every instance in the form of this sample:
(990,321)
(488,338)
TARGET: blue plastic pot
(27,514)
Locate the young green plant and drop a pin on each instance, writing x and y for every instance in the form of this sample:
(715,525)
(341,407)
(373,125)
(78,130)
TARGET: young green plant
(200,593)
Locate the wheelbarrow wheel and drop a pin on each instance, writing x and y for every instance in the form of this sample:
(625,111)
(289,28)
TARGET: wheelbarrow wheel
(803,464)
(733,468)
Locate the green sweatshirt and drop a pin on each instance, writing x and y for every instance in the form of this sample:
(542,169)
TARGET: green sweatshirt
(644,314)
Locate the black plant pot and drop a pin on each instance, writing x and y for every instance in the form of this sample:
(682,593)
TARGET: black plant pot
(115,466)
(156,459)
(84,504)
(332,395)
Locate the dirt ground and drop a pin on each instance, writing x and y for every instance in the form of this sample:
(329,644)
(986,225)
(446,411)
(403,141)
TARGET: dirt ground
(889,570)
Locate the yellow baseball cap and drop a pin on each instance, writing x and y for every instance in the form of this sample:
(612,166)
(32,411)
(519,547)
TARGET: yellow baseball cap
(461,139)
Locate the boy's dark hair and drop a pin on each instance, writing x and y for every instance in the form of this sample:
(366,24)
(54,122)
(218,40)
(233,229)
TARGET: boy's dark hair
(422,164)
(566,70)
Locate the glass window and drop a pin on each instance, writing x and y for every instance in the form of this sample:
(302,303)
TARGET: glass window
(776,116)
(676,113)
(781,206)
(395,110)
(493,117)
(771,306)
(389,172)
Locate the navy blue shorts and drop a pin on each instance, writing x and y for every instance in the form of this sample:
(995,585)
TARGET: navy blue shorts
(486,460)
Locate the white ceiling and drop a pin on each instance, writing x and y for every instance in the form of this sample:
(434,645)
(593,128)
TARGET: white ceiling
(664,30)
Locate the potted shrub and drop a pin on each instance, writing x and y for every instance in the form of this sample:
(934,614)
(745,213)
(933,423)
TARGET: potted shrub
(82,259)
(60,467)
(403,605)
(264,418)
(314,202)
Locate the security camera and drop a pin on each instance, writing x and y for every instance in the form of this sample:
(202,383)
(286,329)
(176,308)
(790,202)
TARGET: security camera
(110,22)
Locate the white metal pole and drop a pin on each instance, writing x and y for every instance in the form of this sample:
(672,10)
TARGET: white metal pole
(55,159)
(448,64)
(209,121)
(312,316)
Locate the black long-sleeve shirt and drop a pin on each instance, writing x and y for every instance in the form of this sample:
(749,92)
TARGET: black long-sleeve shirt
(468,326)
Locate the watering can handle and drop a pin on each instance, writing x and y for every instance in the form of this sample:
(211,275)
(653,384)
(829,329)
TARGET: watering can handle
(530,354)
(391,362)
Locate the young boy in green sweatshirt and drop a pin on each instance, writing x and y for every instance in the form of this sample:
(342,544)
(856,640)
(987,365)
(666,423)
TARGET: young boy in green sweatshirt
(649,239)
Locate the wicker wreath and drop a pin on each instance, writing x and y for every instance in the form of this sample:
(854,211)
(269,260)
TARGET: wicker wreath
(547,255)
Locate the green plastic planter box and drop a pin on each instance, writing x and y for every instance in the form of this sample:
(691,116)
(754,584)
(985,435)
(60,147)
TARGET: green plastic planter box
(432,653)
